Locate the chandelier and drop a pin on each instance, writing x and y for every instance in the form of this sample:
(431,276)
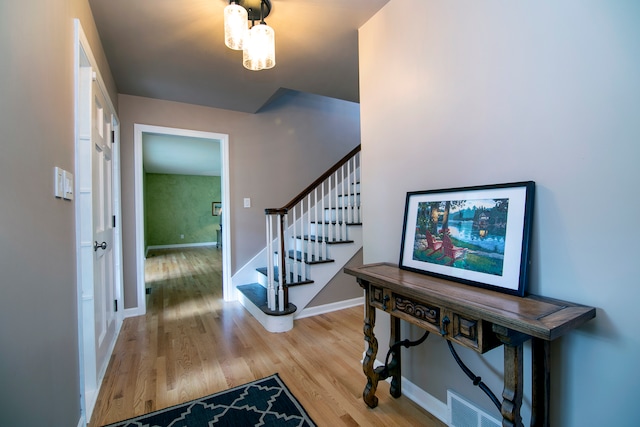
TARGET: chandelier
(258,42)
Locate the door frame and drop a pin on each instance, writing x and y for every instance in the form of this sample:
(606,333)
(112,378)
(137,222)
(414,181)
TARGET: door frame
(86,70)
(139,130)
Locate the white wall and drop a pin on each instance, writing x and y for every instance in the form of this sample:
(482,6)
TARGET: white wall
(469,93)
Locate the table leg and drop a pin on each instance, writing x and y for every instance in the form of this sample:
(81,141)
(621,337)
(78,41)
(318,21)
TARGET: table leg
(369,393)
(540,383)
(513,375)
(395,366)
(512,393)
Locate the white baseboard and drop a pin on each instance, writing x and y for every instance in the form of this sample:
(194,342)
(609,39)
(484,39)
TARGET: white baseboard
(426,401)
(328,308)
(91,398)
(132,312)
(181,245)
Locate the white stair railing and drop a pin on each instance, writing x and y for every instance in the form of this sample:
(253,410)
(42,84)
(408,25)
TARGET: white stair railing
(298,233)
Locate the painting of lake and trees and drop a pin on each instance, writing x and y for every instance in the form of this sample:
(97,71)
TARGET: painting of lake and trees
(464,234)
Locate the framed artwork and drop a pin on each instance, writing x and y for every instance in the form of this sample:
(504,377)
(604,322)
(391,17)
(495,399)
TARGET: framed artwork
(474,235)
(216,208)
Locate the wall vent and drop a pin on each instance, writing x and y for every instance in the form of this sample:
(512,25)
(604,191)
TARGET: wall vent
(463,413)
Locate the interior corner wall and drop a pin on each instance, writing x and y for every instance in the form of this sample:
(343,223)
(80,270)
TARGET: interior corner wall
(178,209)
(273,155)
(39,366)
(492,92)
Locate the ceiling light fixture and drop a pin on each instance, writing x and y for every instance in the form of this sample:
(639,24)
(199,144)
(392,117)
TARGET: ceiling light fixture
(258,42)
(235,26)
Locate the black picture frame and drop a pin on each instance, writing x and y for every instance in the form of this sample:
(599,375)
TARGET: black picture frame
(475,235)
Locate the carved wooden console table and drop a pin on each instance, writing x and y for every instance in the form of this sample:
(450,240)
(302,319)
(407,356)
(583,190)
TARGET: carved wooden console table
(475,318)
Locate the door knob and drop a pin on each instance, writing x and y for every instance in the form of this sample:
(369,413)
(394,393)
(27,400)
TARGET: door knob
(97,245)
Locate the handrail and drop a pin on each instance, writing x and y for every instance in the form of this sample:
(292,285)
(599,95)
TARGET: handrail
(314,184)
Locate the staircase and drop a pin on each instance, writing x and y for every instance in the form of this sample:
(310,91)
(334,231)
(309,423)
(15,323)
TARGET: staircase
(308,241)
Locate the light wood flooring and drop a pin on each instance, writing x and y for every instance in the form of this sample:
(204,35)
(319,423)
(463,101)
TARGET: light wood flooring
(191,344)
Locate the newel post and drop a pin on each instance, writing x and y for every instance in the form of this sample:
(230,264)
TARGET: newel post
(283,291)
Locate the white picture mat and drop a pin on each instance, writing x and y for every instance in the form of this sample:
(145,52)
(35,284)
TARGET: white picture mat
(510,278)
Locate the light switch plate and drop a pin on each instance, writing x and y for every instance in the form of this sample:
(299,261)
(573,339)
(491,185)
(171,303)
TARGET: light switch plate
(67,179)
(247,202)
(58,182)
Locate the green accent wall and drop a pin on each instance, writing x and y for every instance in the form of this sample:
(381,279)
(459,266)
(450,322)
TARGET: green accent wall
(180,205)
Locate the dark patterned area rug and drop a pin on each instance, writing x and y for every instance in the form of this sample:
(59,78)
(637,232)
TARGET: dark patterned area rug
(265,402)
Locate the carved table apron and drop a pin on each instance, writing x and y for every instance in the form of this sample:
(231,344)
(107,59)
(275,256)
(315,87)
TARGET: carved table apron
(476,318)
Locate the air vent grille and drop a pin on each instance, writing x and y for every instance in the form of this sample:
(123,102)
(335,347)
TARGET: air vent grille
(463,413)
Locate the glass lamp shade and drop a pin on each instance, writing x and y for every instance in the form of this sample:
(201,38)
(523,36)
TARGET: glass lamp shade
(259,51)
(235,26)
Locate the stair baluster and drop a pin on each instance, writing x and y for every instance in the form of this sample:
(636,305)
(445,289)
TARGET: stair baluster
(316,218)
(334,225)
(283,297)
(271,292)
(323,244)
(343,223)
(348,218)
(310,245)
(295,264)
(330,235)
(356,191)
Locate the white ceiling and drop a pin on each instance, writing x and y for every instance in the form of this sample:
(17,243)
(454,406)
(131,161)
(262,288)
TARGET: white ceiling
(174,50)
(170,154)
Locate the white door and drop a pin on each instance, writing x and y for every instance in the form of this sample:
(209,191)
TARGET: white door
(102,204)
(97,200)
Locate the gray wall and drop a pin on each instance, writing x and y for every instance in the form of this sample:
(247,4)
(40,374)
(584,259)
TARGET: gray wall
(273,155)
(39,383)
(488,92)
(341,287)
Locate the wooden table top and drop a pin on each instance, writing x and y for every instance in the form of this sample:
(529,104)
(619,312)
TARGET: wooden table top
(537,316)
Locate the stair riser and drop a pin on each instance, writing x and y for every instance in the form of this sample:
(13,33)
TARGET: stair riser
(301,269)
(350,200)
(351,214)
(274,324)
(330,231)
(263,280)
(311,247)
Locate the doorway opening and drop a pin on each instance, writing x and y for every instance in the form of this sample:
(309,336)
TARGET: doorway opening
(140,132)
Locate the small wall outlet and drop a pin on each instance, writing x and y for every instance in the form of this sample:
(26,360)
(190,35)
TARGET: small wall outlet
(247,202)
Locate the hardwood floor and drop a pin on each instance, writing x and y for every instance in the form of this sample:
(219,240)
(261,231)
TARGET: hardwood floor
(191,343)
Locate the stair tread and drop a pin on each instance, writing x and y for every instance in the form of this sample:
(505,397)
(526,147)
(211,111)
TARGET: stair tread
(257,294)
(300,256)
(335,222)
(326,239)
(292,282)
(341,207)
